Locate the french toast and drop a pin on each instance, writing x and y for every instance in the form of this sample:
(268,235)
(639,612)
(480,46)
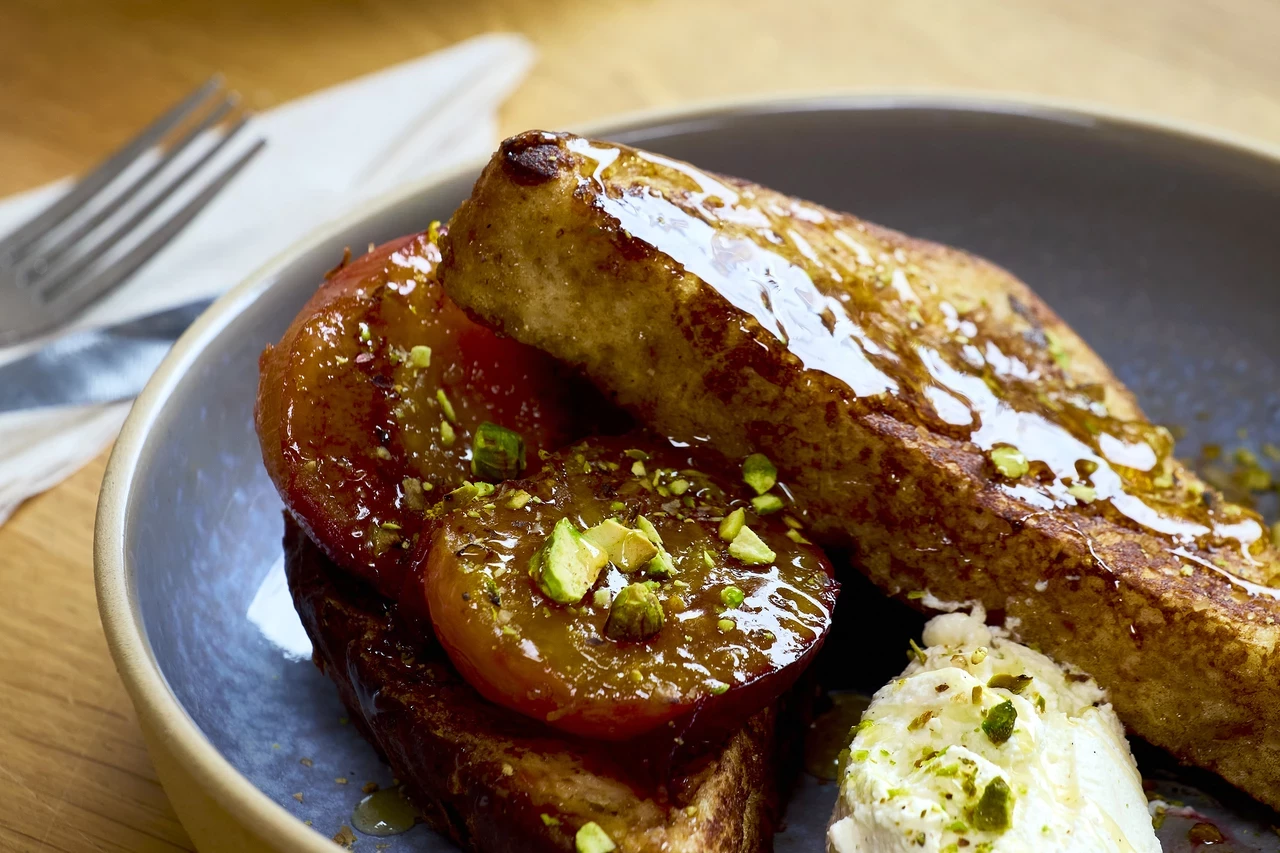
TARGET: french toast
(495,781)
(923,406)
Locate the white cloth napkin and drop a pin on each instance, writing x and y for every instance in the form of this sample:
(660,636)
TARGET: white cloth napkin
(325,153)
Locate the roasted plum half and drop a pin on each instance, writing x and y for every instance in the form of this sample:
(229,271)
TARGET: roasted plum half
(370,404)
(624,588)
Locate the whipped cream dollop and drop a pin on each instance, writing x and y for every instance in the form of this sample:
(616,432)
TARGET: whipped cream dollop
(983,745)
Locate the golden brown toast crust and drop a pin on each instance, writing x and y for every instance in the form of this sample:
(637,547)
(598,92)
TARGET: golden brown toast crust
(485,776)
(716,309)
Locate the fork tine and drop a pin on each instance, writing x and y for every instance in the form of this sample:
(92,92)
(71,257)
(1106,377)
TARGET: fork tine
(83,229)
(113,275)
(63,276)
(90,184)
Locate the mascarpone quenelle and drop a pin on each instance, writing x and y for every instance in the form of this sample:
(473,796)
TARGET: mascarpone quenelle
(985,746)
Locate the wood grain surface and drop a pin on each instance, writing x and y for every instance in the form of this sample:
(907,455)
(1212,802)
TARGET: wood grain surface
(77,78)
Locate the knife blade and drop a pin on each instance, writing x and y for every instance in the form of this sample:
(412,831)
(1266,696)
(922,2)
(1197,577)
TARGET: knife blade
(95,366)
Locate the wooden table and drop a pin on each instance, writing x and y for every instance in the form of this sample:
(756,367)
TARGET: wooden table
(78,78)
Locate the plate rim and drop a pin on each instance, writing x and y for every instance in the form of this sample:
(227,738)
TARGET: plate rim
(161,714)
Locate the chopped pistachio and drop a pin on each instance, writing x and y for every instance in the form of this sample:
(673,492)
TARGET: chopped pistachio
(766,504)
(446,405)
(1009,461)
(382,453)
(732,524)
(648,529)
(602,598)
(796,537)
(433,235)
(661,566)
(1083,493)
(717,688)
(636,614)
(707,559)
(628,549)
(678,487)
(518,499)
(637,468)
(726,625)
(567,565)
(1056,350)
(364,332)
(639,455)
(750,548)
(447,435)
(732,597)
(995,809)
(497,453)
(759,473)
(921,721)
(468,491)
(1012,683)
(791,522)
(420,356)
(592,839)
(998,722)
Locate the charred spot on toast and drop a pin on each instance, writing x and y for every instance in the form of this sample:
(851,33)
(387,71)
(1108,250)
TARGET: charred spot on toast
(533,157)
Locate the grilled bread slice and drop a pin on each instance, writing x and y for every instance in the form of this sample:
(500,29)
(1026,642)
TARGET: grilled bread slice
(495,781)
(922,405)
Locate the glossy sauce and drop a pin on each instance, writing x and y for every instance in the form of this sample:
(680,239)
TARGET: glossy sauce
(555,663)
(384,813)
(879,325)
(354,431)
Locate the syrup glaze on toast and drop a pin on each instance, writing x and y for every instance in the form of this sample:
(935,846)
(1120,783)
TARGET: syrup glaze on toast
(922,404)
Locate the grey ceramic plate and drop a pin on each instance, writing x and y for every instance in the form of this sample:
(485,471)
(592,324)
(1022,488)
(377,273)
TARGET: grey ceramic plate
(1160,246)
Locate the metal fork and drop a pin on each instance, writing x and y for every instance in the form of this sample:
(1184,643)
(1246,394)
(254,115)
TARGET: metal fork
(55,266)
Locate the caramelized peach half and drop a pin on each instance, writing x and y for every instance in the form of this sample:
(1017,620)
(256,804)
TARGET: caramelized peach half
(623,588)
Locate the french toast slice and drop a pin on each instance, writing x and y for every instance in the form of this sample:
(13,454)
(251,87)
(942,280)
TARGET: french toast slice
(495,781)
(922,405)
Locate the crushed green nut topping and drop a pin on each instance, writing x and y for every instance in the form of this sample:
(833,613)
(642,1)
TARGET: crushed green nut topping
(759,473)
(446,406)
(766,504)
(592,839)
(636,614)
(751,549)
(732,524)
(994,811)
(567,565)
(420,356)
(1083,493)
(497,453)
(1012,683)
(999,721)
(1009,461)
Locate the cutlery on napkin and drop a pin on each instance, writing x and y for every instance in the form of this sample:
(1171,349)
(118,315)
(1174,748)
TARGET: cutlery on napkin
(325,153)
